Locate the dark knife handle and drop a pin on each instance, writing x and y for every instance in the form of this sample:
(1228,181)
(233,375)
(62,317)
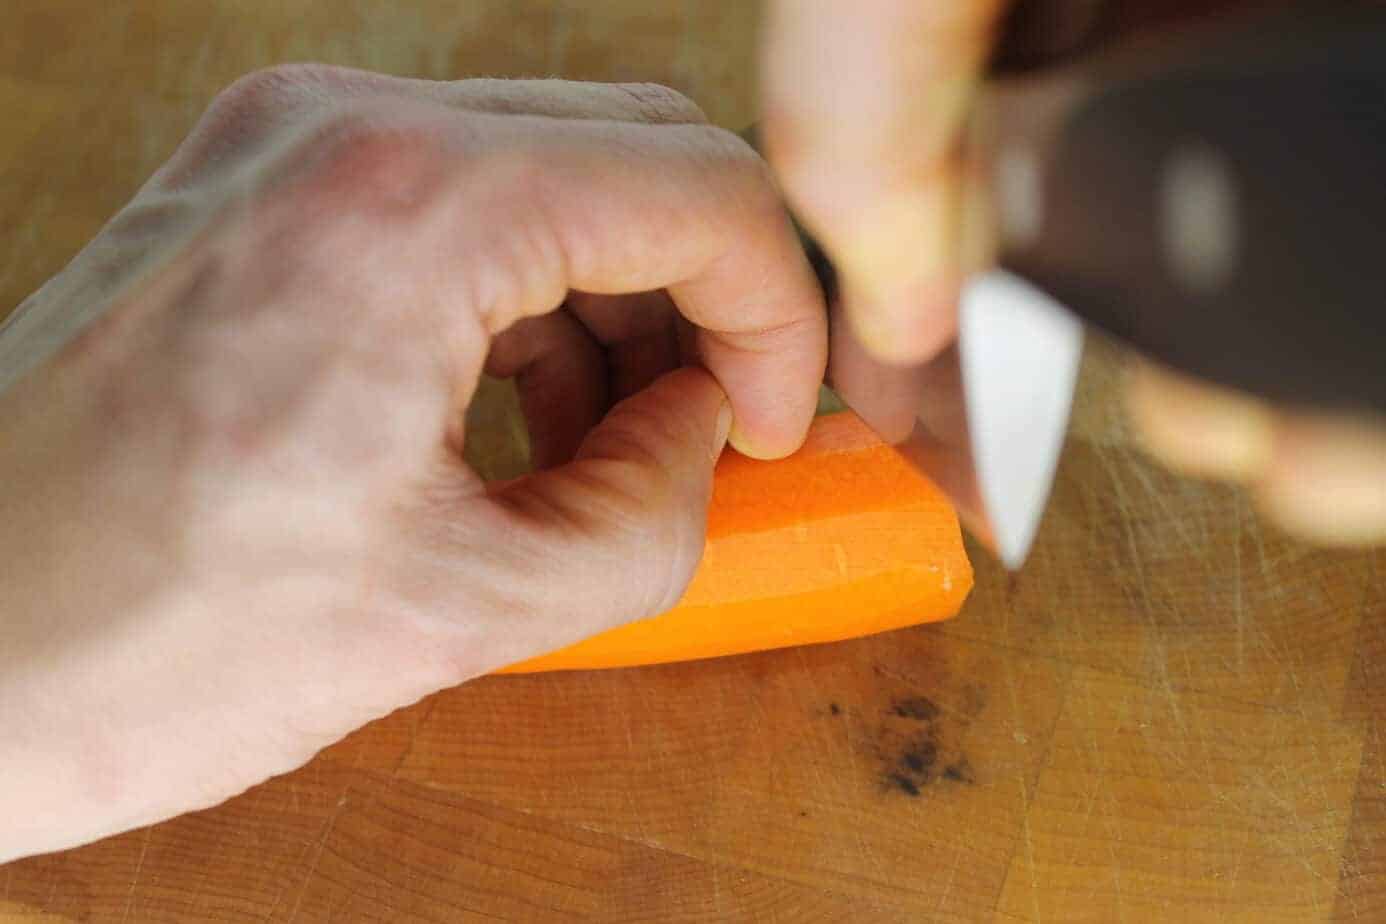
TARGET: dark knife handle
(1215,197)
(1226,212)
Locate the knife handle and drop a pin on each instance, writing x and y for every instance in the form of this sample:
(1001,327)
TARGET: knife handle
(1218,203)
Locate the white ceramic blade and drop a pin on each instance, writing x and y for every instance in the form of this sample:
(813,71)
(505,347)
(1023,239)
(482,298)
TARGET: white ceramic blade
(1020,352)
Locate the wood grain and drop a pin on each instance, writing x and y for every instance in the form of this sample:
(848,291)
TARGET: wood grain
(1172,714)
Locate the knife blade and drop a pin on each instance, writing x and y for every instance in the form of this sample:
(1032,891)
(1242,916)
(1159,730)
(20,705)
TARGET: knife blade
(1209,193)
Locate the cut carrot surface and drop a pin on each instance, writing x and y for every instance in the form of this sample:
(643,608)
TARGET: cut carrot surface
(842,539)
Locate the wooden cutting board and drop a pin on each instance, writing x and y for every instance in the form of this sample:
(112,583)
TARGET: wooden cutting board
(1173,714)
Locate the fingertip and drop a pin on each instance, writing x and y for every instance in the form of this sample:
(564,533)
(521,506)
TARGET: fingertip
(1327,480)
(1198,429)
(907,324)
(1312,516)
(759,437)
(772,380)
(897,251)
(750,446)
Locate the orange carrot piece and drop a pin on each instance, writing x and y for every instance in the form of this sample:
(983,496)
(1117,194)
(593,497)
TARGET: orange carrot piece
(841,539)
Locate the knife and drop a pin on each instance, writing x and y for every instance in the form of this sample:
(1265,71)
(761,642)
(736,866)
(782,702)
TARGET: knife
(1211,191)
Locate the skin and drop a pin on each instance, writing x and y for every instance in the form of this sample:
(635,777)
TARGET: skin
(863,109)
(236,519)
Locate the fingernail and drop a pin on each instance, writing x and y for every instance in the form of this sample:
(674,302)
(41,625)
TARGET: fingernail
(1328,482)
(909,325)
(743,444)
(723,429)
(1200,430)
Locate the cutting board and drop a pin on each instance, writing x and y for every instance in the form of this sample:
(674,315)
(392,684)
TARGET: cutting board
(1173,713)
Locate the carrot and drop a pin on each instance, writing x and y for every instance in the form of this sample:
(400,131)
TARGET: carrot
(841,539)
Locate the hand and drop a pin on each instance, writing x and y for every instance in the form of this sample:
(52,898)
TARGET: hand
(1321,476)
(863,114)
(234,517)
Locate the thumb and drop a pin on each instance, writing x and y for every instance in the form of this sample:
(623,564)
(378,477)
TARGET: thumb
(617,533)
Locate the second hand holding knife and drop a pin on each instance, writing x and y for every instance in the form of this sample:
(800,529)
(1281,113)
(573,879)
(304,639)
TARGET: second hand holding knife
(1212,193)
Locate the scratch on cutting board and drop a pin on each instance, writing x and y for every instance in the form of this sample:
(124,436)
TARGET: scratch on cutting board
(319,845)
(1315,901)
(1133,544)
(948,886)
(255,798)
(1143,587)
(408,751)
(1026,797)
(1178,520)
(815,766)
(52,890)
(651,757)
(1331,844)
(135,880)
(1100,775)
(1236,868)
(856,746)
(1030,851)
(822,780)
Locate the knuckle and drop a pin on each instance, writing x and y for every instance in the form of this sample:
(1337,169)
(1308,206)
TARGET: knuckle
(147,219)
(734,165)
(645,534)
(244,115)
(527,258)
(728,148)
(495,95)
(645,506)
(361,139)
(652,437)
(631,485)
(657,103)
(360,158)
(264,93)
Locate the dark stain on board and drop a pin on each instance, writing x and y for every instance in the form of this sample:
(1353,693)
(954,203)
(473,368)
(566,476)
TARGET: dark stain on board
(920,708)
(960,771)
(904,783)
(921,757)
(916,742)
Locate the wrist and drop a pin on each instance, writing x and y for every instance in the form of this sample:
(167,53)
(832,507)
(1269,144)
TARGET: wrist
(68,562)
